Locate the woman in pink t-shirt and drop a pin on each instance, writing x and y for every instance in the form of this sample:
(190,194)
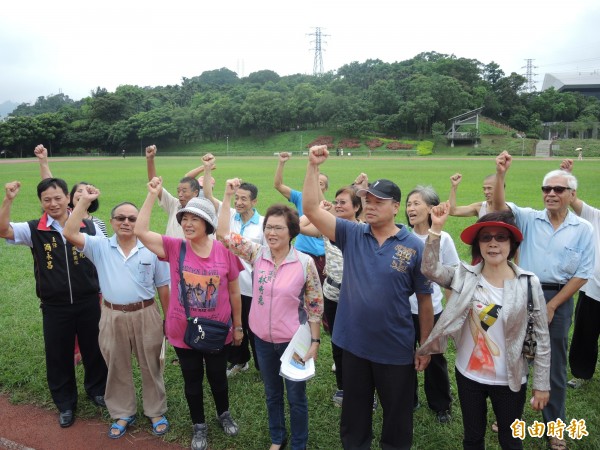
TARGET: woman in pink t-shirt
(211,278)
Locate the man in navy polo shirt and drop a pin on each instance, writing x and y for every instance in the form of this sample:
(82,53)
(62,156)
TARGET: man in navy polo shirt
(382,268)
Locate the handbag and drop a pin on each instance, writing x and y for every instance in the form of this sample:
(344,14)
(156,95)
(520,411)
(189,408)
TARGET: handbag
(201,334)
(530,344)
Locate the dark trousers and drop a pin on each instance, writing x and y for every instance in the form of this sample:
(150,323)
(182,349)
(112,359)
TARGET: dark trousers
(61,323)
(330,309)
(437,382)
(583,353)
(559,341)
(392,383)
(320,263)
(507,406)
(192,368)
(241,354)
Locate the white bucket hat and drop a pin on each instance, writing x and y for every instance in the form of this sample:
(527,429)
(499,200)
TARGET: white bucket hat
(202,208)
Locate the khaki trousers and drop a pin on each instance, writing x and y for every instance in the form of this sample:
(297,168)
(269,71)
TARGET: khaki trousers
(122,333)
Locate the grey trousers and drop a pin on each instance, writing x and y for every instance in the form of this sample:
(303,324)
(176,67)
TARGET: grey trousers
(559,340)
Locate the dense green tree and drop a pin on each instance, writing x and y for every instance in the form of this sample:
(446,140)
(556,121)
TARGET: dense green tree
(48,104)
(261,77)
(219,77)
(371,96)
(263,111)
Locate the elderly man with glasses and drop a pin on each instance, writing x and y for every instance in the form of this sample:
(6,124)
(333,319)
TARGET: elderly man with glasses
(559,248)
(130,322)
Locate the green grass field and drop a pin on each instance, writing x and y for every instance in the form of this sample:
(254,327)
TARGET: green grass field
(22,367)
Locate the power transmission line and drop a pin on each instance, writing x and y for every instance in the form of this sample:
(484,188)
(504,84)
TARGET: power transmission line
(318,61)
(530,85)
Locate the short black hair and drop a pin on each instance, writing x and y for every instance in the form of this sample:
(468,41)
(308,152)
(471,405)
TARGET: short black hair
(93,206)
(250,188)
(192,182)
(57,183)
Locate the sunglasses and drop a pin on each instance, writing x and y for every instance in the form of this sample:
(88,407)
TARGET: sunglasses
(498,237)
(131,219)
(556,189)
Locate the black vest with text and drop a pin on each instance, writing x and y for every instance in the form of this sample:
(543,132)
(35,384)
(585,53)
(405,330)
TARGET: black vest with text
(63,275)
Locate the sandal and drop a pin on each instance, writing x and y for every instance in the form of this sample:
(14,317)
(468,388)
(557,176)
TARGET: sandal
(122,429)
(557,444)
(161,421)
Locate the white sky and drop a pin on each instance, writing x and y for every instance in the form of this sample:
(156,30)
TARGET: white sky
(69,46)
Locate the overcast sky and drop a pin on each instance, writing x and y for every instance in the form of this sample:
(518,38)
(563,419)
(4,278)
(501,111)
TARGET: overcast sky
(68,46)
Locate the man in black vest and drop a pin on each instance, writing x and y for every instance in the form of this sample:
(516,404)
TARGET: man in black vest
(67,286)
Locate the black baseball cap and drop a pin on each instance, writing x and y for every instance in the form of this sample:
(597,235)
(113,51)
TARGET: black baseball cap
(383,189)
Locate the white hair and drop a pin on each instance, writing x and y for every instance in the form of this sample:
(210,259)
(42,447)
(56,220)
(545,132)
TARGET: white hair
(571,180)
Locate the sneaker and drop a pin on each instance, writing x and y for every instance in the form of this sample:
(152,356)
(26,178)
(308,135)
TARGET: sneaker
(375,403)
(227,423)
(576,383)
(233,369)
(333,367)
(443,417)
(200,438)
(338,398)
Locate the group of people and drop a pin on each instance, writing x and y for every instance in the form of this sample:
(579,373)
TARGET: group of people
(376,284)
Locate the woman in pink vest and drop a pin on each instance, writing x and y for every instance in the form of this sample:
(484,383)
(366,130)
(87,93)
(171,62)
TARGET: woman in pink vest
(286,294)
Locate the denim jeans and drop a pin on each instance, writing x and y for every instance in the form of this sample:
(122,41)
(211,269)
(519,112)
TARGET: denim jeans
(269,363)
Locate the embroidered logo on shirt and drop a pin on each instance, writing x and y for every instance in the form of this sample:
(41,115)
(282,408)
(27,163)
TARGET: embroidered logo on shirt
(401,260)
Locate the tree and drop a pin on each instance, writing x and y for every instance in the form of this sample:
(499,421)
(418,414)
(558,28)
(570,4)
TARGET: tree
(219,77)
(262,76)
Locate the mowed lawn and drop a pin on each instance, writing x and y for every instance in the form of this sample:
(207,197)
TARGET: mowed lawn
(22,366)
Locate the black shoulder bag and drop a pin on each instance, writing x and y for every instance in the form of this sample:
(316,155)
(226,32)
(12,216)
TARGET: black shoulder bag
(530,344)
(201,334)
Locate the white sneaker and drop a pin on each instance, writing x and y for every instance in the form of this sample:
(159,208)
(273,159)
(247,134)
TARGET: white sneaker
(333,367)
(234,369)
(576,383)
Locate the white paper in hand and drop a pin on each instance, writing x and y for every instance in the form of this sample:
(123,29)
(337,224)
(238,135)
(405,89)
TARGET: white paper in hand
(293,366)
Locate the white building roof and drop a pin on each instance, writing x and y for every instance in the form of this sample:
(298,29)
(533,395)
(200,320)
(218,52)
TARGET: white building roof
(572,80)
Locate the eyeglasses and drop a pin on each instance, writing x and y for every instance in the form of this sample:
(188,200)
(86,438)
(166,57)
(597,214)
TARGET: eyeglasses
(276,228)
(339,202)
(498,237)
(556,189)
(132,219)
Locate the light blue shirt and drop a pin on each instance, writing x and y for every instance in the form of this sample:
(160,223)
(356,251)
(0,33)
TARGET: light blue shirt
(253,222)
(253,230)
(555,256)
(125,280)
(306,244)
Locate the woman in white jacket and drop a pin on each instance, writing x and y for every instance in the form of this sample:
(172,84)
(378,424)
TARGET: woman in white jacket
(487,317)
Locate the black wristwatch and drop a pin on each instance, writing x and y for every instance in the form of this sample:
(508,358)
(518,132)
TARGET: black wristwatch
(318,341)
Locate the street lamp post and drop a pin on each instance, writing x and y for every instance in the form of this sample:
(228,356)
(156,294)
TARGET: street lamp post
(522,136)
